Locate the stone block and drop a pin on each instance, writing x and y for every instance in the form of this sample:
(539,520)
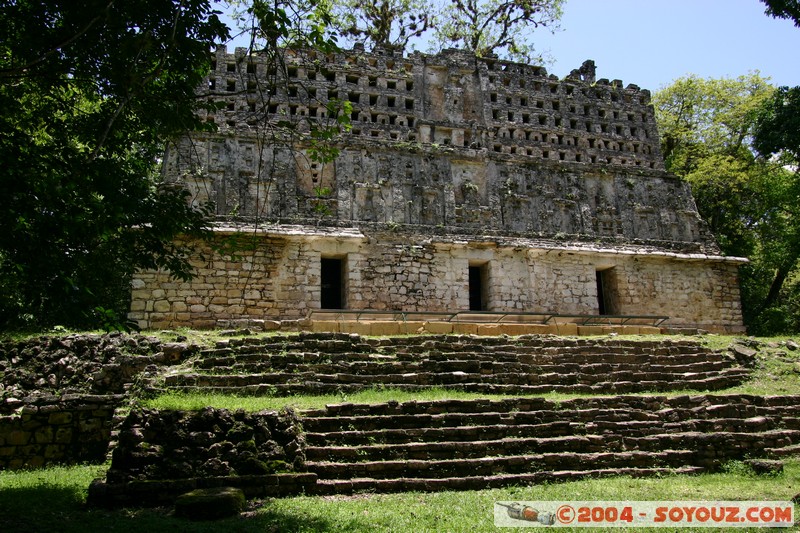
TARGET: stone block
(360,328)
(566,329)
(385,328)
(490,329)
(540,329)
(18,437)
(465,328)
(162,306)
(37,461)
(410,327)
(649,330)
(439,328)
(585,331)
(44,435)
(53,451)
(325,326)
(210,504)
(63,435)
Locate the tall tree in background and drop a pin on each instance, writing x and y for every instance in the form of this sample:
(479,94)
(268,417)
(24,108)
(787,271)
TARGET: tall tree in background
(388,24)
(777,137)
(502,27)
(709,131)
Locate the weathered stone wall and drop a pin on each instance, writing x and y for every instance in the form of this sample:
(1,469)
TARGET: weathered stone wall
(452,140)
(452,162)
(70,429)
(466,192)
(280,279)
(58,394)
(161,454)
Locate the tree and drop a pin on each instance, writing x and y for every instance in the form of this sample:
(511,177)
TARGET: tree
(385,24)
(784,9)
(710,131)
(88,94)
(777,137)
(777,127)
(501,27)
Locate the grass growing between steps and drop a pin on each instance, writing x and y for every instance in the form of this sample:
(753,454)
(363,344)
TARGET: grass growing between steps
(195,401)
(52,500)
(777,372)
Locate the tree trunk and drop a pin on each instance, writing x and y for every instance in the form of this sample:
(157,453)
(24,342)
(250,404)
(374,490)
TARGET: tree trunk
(777,283)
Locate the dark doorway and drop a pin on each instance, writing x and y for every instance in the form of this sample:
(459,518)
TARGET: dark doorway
(606,289)
(477,288)
(332,278)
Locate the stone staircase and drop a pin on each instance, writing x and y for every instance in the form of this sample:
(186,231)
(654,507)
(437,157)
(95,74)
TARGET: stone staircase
(319,363)
(469,444)
(477,444)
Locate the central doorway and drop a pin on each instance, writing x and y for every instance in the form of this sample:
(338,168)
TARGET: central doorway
(478,295)
(332,271)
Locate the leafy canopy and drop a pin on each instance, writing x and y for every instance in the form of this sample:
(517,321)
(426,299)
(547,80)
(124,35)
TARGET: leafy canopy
(719,135)
(89,91)
(784,9)
(501,27)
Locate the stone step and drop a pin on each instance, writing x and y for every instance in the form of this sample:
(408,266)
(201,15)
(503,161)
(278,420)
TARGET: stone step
(535,410)
(490,383)
(469,449)
(350,431)
(603,419)
(371,366)
(617,420)
(565,356)
(518,464)
(719,445)
(453,434)
(282,361)
(413,484)
(783,451)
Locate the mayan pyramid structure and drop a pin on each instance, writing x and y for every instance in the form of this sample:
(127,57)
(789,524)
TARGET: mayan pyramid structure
(463,185)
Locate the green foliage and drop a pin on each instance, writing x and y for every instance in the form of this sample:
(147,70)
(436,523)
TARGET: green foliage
(386,24)
(777,127)
(275,25)
(88,94)
(699,116)
(711,130)
(501,27)
(784,9)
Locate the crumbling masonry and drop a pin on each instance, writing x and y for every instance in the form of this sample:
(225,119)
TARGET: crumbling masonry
(464,184)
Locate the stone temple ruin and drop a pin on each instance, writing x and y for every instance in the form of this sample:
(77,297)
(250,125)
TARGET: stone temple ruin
(464,184)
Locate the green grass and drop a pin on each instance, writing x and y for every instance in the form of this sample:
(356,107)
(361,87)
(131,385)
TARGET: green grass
(52,500)
(193,401)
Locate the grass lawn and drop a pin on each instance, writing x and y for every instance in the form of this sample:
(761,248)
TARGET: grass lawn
(53,500)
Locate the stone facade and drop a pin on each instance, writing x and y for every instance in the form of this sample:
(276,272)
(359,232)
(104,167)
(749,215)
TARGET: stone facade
(464,183)
(43,431)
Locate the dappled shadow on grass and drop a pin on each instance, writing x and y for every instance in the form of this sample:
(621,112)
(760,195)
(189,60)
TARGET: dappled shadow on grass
(40,508)
(56,508)
(268,518)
